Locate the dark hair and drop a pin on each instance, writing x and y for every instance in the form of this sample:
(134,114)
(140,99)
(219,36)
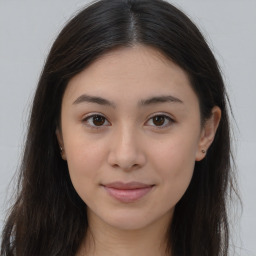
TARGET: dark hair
(48,217)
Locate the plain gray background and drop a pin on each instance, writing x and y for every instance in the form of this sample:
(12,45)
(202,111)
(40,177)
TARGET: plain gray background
(27,30)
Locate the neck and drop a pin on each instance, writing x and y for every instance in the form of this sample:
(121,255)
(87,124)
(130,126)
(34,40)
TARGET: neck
(103,239)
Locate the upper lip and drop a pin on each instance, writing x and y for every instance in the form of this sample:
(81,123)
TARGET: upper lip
(129,185)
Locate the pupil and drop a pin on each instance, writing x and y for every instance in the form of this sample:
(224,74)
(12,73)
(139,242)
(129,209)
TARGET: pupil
(98,120)
(158,120)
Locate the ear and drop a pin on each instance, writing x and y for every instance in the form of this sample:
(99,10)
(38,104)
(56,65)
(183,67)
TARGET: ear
(61,144)
(208,133)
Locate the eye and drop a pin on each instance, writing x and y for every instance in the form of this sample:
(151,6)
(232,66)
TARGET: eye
(96,121)
(160,121)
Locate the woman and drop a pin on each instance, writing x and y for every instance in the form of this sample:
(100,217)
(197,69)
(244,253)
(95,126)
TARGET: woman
(128,147)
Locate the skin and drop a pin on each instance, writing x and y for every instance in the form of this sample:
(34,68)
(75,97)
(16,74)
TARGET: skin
(130,145)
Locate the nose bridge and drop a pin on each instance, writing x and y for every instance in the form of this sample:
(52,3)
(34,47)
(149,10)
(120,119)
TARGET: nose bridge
(126,151)
(126,140)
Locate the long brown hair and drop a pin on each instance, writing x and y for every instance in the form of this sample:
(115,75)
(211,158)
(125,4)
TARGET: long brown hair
(48,217)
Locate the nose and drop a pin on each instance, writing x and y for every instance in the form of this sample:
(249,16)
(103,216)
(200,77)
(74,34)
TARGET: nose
(126,150)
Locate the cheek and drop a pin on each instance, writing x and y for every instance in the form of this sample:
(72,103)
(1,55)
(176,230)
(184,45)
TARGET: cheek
(175,154)
(82,151)
(174,161)
(84,161)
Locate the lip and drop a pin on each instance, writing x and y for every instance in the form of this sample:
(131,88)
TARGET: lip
(127,192)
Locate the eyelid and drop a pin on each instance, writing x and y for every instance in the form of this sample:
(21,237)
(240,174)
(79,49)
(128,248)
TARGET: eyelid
(167,116)
(91,115)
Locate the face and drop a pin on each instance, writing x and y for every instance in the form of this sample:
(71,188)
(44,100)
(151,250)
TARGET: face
(131,133)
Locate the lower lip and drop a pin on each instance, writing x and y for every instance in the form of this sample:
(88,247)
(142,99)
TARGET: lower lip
(128,195)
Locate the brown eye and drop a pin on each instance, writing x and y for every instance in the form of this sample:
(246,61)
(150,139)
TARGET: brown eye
(159,120)
(98,120)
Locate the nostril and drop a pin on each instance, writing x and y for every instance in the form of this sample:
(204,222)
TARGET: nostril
(126,158)
(126,168)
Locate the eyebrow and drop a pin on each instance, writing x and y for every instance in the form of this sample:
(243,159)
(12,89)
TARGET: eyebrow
(93,99)
(146,102)
(160,99)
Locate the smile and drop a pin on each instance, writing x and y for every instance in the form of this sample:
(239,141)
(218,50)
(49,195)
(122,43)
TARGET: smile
(127,192)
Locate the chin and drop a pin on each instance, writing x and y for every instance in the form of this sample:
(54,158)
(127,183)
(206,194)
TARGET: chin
(129,224)
(132,221)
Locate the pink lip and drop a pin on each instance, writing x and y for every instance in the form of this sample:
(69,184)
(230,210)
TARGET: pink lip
(127,192)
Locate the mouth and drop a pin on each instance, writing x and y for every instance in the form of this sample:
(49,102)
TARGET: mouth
(127,192)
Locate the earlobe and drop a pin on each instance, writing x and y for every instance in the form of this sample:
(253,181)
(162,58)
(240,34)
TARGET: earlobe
(208,133)
(61,144)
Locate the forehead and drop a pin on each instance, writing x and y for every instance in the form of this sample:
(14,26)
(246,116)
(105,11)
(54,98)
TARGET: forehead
(132,72)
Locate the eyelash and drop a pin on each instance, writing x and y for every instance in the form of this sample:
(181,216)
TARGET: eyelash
(87,118)
(167,118)
(90,117)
